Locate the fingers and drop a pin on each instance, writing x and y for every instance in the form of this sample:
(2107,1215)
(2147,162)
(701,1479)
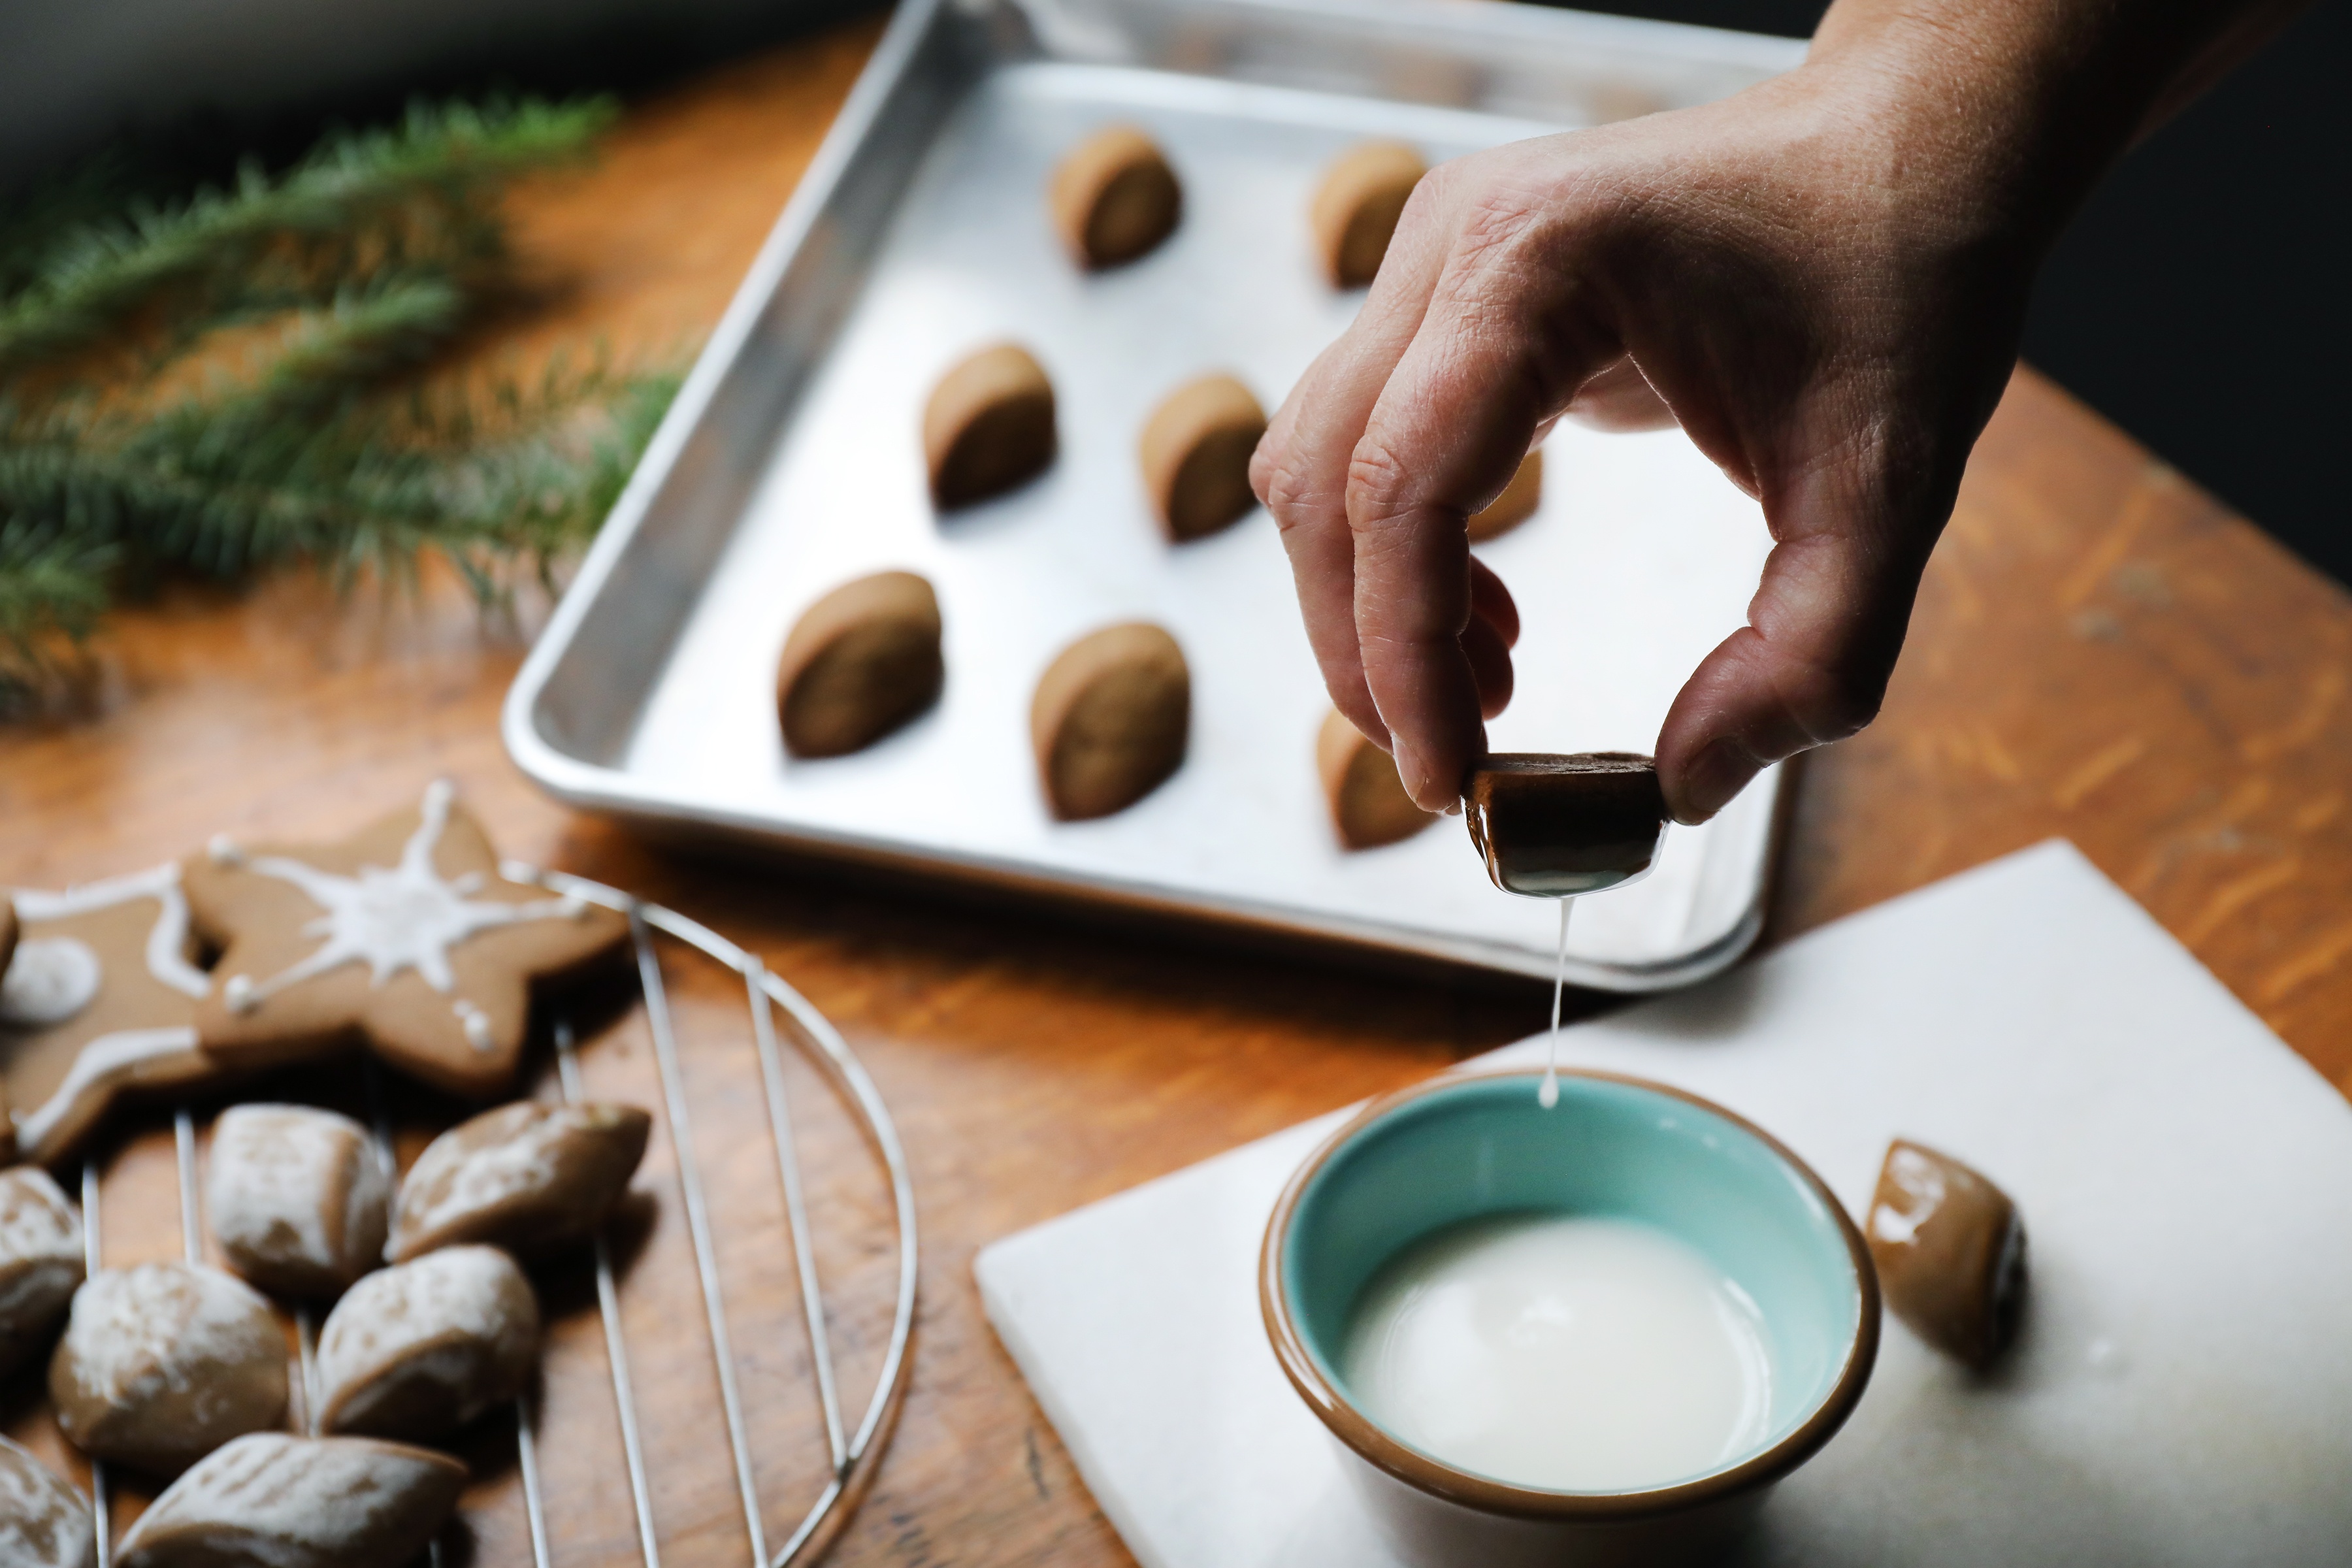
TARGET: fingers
(1300,468)
(1500,347)
(1621,398)
(1811,665)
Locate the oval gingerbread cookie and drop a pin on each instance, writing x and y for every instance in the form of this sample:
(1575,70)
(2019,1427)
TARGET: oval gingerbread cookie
(1356,209)
(989,427)
(41,1262)
(404,935)
(163,1363)
(1368,801)
(860,662)
(529,1177)
(1195,454)
(418,1351)
(299,1197)
(1114,197)
(45,1523)
(299,1502)
(1110,720)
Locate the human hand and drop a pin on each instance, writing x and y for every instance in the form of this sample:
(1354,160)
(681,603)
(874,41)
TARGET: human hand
(1822,280)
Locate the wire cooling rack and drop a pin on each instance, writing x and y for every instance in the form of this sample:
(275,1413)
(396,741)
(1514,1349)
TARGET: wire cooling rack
(852,1451)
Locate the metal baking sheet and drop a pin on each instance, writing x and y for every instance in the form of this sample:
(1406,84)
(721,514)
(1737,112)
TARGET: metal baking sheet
(791,463)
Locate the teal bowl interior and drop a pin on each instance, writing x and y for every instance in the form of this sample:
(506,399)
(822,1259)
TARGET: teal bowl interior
(1483,1147)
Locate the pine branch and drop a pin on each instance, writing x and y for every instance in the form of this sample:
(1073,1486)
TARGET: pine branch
(53,588)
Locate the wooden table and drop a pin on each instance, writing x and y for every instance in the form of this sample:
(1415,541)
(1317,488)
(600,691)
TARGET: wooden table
(2100,651)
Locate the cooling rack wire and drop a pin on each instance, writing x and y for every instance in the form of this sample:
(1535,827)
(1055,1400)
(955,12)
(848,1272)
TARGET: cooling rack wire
(852,1453)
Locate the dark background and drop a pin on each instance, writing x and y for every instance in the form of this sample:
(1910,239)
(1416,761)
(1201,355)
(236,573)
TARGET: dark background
(2200,299)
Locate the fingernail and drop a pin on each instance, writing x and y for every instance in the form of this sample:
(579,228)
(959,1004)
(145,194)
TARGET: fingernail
(1710,780)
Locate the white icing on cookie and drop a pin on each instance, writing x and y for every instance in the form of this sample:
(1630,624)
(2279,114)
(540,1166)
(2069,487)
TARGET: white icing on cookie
(40,1252)
(276,1172)
(477,1025)
(404,917)
(167,943)
(44,1522)
(50,979)
(461,1318)
(222,850)
(140,1332)
(302,1503)
(102,1060)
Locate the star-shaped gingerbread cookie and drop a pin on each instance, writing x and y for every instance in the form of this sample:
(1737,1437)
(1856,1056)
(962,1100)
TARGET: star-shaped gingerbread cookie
(404,934)
(101,997)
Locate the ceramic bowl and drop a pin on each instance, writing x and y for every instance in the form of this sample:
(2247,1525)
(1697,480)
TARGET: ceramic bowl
(1469,1146)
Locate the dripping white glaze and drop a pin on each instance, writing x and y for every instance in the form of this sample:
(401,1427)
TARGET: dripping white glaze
(167,940)
(1548,1095)
(392,918)
(51,979)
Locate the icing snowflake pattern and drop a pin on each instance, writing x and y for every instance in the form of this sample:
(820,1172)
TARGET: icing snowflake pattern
(392,917)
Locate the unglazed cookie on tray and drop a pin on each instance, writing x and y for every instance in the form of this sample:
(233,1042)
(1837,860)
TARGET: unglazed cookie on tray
(404,934)
(299,1502)
(299,1198)
(40,1263)
(1369,803)
(1114,196)
(860,662)
(1195,454)
(1515,505)
(164,1363)
(101,997)
(989,427)
(44,1521)
(1355,210)
(417,1350)
(1110,719)
(529,1177)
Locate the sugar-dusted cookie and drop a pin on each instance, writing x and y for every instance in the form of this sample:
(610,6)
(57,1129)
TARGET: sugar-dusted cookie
(1114,197)
(1355,208)
(1950,1250)
(404,934)
(44,1521)
(299,1198)
(299,1502)
(419,1350)
(164,1363)
(1515,505)
(1110,719)
(101,997)
(1195,453)
(529,1177)
(1369,805)
(40,1263)
(989,427)
(861,661)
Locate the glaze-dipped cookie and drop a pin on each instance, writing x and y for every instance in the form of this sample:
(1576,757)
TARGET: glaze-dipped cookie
(40,1263)
(299,1502)
(989,427)
(1114,197)
(1355,210)
(1552,825)
(404,935)
(164,1363)
(1366,799)
(101,997)
(529,1177)
(419,1350)
(1110,719)
(44,1521)
(1195,454)
(1515,505)
(860,662)
(1950,1251)
(299,1198)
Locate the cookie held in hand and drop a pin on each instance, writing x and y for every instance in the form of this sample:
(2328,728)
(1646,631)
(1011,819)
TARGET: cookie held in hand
(1554,827)
(1355,210)
(45,1523)
(1114,197)
(1515,505)
(989,427)
(859,663)
(529,1177)
(164,1363)
(1195,453)
(40,1263)
(299,1502)
(1369,805)
(417,1350)
(404,934)
(299,1198)
(1110,720)
(1950,1250)
(99,998)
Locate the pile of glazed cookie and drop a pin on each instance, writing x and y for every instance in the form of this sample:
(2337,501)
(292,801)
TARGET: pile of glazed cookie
(407,940)
(1111,713)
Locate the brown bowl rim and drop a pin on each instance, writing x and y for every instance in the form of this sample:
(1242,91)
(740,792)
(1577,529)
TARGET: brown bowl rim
(1485,1493)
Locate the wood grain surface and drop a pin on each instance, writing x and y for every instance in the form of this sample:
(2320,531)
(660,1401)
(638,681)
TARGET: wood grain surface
(2100,651)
